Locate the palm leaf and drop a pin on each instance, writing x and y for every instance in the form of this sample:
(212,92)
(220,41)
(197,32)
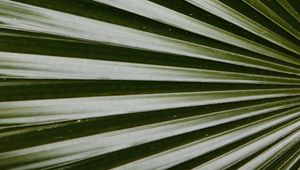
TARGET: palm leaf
(149,84)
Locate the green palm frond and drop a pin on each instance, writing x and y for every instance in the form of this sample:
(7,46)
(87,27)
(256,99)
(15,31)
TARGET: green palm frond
(149,84)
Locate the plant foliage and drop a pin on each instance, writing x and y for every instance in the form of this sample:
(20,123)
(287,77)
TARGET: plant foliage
(149,84)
